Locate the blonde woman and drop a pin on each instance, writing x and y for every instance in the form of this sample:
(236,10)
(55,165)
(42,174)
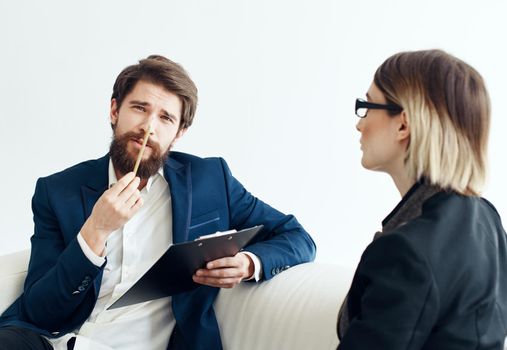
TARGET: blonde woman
(436,276)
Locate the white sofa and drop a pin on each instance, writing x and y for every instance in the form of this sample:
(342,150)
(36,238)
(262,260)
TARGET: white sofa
(296,310)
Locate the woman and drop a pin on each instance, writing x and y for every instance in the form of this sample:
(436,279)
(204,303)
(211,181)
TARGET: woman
(436,276)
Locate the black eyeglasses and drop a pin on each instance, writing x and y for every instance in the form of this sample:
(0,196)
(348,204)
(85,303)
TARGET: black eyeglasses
(362,107)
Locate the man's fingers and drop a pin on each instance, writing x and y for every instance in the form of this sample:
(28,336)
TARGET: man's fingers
(122,183)
(222,273)
(217,282)
(128,191)
(219,273)
(133,199)
(223,262)
(137,205)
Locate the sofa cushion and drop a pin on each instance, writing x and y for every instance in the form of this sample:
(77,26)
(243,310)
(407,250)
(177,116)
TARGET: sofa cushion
(297,309)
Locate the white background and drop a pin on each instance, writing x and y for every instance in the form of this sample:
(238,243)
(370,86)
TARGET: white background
(277,82)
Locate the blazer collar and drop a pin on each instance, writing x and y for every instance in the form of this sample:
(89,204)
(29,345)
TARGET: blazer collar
(410,206)
(178,175)
(95,184)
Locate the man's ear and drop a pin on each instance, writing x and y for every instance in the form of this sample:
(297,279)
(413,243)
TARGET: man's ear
(179,134)
(403,127)
(113,113)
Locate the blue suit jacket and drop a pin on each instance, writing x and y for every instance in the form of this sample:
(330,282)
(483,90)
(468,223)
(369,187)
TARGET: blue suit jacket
(62,285)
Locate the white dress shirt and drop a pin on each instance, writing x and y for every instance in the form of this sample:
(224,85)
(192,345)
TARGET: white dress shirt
(131,251)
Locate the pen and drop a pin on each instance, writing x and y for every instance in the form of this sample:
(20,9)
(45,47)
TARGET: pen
(141,152)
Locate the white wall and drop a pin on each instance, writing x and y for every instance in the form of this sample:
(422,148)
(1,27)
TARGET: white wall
(277,82)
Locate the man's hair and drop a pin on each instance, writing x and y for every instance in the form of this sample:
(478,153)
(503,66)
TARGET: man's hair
(159,70)
(448,112)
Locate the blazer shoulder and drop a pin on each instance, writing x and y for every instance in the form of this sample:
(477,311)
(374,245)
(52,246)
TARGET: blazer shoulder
(197,163)
(79,172)
(191,158)
(464,225)
(447,203)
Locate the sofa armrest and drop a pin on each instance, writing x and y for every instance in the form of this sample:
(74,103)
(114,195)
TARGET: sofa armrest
(13,269)
(298,309)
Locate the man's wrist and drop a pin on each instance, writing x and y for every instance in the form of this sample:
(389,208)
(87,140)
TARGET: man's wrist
(95,239)
(251,267)
(97,260)
(256,266)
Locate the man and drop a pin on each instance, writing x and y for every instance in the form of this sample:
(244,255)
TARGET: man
(99,227)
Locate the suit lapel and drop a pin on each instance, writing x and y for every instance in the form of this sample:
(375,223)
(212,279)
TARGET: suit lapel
(180,185)
(91,191)
(95,185)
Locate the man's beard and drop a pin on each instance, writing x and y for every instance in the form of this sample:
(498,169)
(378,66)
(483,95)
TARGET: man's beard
(124,162)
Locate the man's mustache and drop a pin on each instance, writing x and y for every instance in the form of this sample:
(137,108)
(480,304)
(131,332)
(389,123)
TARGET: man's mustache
(140,136)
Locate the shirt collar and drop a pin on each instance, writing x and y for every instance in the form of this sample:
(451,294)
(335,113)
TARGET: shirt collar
(113,179)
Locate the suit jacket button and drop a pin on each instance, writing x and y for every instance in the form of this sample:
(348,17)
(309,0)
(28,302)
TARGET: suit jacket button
(81,288)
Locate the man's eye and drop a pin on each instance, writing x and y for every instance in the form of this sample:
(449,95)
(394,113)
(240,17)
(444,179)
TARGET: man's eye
(139,108)
(166,118)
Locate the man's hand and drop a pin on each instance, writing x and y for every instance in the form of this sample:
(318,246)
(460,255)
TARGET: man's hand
(113,209)
(225,272)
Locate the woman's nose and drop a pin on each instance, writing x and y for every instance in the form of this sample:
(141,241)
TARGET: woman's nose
(359,124)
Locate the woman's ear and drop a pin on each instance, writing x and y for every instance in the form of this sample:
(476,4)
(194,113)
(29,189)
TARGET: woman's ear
(404,127)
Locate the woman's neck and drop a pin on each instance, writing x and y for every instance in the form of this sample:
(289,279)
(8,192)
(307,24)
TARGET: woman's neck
(402,181)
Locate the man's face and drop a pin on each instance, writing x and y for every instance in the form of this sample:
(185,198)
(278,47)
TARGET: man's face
(146,103)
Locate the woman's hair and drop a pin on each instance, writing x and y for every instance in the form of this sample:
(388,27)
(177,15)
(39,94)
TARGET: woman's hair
(448,113)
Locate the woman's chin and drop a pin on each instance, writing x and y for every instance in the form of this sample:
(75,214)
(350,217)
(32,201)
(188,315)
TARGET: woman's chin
(365,163)
(372,166)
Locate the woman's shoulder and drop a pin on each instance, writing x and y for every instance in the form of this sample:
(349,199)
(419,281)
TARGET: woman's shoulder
(449,234)
(446,202)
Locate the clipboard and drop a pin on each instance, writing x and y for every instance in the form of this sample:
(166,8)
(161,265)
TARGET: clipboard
(172,273)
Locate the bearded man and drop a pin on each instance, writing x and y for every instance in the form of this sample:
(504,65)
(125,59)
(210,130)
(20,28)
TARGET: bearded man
(99,227)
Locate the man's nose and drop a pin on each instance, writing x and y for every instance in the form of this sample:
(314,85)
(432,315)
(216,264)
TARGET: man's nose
(149,125)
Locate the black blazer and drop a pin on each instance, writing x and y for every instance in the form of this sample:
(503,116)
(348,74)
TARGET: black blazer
(438,281)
